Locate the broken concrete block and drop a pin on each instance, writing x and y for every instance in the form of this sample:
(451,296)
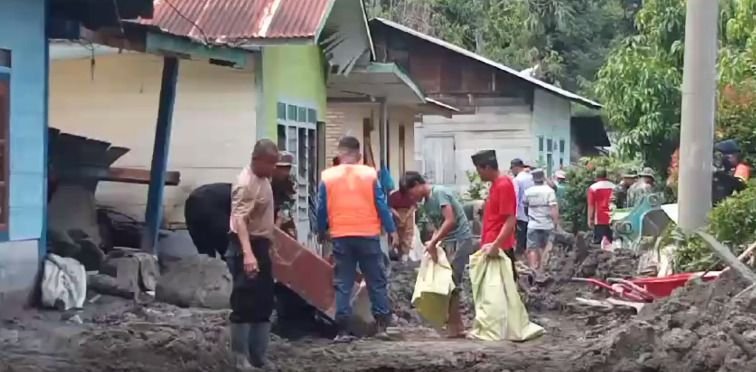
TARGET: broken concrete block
(197,281)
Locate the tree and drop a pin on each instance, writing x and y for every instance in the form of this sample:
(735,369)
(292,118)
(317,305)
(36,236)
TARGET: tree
(565,42)
(639,84)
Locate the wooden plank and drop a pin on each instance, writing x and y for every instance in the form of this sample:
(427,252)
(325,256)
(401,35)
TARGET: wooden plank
(139,176)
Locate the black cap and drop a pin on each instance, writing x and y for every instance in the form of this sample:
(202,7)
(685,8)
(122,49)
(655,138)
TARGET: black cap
(516,162)
(727,147)
(483,157)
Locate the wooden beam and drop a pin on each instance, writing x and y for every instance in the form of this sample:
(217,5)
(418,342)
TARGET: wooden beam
(162,44)
(139,176)
(153,215)
(115,39)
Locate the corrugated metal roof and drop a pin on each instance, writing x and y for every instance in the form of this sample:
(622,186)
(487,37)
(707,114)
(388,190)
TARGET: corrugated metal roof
(541,84)
(229,21)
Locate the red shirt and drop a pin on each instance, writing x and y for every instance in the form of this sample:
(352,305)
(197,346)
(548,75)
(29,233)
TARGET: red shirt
(397,200)
(600,197)
(501,204)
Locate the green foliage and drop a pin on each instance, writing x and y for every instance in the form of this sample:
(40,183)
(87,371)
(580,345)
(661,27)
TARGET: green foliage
(478,190)
(736,117)
(732,222)
(567,41)
(579,177)
(640,82)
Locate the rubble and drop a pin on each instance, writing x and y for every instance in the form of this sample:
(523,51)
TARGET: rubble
(195,281)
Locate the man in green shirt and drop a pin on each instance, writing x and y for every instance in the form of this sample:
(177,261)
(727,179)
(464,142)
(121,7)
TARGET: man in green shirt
(452,231)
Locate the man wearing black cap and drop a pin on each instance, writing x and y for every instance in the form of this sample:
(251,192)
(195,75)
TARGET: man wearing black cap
(523,181)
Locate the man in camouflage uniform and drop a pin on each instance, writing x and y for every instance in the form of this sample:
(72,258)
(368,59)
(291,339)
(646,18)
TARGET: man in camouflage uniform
(619,196)
(644,186)
(284,190)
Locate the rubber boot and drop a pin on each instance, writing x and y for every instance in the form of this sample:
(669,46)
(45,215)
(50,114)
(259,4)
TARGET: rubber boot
(382,323)
(240,346)
(258,339)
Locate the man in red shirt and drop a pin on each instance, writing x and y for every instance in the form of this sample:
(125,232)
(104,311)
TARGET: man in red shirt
(599,207)
(500,211)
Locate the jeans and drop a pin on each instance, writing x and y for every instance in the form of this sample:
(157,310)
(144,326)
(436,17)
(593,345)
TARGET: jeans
(366,252)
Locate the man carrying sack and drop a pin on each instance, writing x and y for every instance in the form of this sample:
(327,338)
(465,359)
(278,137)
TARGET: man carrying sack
(453,234)
(499,311)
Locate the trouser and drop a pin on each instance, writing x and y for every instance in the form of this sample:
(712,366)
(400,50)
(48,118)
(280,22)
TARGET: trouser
(521,233)
(406,229)
(458,254)
(601,231)
(252,298)
(348,252)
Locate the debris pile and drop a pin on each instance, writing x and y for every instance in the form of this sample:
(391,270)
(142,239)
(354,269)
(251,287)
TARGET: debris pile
(701,327)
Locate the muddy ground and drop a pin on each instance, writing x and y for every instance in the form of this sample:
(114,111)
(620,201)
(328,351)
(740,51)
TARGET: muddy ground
(702,327)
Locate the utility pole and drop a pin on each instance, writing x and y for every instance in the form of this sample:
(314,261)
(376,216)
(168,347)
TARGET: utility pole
(698,108)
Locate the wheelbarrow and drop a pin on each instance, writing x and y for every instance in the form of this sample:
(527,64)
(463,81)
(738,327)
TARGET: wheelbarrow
(647,289)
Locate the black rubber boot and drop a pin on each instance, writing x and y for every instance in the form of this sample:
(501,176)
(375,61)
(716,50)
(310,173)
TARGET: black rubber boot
(258,340)
(382,322)
(344,336)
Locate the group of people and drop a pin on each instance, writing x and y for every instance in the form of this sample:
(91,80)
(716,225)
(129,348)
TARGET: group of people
(353,212)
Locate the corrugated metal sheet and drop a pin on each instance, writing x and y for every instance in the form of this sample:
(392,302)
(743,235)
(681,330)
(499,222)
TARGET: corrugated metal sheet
(229,21)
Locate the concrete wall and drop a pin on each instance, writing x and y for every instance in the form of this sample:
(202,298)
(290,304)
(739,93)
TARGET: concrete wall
(117,100)
(502,124)
(347,119)
(551,120)
(22,31)
(291,74)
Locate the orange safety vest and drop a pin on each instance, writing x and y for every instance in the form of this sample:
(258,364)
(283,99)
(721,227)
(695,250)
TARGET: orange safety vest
(350,193)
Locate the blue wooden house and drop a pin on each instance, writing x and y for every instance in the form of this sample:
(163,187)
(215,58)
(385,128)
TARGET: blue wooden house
(25,26)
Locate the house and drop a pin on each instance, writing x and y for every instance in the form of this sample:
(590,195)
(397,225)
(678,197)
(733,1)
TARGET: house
(270,81)
(24,29)
(303,76)
(516,114)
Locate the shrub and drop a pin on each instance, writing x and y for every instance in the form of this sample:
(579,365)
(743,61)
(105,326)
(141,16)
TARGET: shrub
(732,222)
(478,190)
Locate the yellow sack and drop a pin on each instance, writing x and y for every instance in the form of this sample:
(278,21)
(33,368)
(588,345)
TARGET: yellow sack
(433,289)
(499,312)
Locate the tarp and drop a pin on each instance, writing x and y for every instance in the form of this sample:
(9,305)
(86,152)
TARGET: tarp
(64,283)
(499,311)
(433,289)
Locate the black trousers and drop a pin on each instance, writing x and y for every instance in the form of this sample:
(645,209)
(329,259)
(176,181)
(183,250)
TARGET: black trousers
(252,298)
(521,233)
(601,231)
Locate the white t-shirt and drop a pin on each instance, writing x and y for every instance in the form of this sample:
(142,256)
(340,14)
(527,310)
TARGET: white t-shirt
(523,181)
(539,199)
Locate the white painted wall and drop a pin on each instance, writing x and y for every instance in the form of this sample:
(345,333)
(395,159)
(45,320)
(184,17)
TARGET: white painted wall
(505,127)
(551,120)
(117,100)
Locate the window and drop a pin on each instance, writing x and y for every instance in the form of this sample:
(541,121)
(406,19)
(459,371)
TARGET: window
(561,153)
(5,69)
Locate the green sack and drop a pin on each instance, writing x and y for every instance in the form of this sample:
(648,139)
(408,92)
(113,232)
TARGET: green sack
(433,289)
(499,312)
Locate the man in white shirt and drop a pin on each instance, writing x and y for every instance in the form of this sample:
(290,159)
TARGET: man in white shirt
(523,181)
(543,218)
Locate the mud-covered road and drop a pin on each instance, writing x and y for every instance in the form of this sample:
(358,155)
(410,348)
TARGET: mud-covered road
(703,327)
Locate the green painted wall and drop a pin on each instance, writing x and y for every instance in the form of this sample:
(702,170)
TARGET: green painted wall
(292,74)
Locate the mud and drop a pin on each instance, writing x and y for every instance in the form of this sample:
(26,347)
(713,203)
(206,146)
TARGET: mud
(702,327)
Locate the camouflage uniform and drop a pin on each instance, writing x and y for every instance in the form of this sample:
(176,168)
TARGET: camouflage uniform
(619,196)
(637,191)
(285,205)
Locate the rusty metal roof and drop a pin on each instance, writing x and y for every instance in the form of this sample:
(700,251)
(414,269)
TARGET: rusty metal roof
(229,21)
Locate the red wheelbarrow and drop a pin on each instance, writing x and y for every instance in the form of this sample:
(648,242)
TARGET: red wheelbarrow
(647,289)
